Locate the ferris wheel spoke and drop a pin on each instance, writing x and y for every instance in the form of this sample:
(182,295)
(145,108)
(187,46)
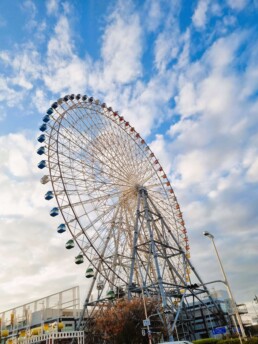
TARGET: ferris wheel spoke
(64,166)
(129,159)
(82,148)
(97,199)
(114,144)
(104,147)
(97,219)
(130,150)
(91,156)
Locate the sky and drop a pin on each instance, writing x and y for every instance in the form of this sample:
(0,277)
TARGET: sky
(183,73)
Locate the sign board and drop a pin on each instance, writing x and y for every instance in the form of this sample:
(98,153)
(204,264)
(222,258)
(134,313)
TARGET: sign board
(146,322)
(219,330)
(236,330)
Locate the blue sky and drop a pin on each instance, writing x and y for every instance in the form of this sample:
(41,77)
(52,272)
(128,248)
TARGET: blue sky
(185,74)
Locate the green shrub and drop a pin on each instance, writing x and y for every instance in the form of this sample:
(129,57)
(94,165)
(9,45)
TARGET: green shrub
(207,341)
(253,340)
(229,341)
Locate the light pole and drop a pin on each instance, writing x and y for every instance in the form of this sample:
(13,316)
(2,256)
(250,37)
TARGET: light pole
(239,320)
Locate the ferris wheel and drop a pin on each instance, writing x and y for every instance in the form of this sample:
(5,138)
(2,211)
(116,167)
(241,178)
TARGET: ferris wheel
(117,202)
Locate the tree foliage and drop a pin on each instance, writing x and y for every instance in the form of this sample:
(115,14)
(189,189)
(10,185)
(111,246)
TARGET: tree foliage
(122,322)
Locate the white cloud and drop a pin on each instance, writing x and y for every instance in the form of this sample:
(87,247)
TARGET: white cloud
(65,71)
(9,95)
(29,6)
(237,4)
(28,235)
(200,14)
(4,56)
(223,51)
(52,6)
(170,41)
(159,146)
(18,165)
(60,45)
(211,86)
(122,47)
(166,48)
(70,78)
(154,14)
(186,101)
(252,173)
(21,81)
(22,69)
(41,100)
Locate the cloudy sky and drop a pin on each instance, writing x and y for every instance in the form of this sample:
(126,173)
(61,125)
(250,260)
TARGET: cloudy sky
(184,73)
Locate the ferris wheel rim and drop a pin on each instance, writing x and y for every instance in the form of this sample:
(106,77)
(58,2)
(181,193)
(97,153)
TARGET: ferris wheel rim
(137,139)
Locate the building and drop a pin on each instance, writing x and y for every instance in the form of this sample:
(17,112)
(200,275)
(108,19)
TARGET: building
(45,320)
(206,322)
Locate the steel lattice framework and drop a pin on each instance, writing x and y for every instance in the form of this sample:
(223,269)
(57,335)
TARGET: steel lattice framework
(118,205)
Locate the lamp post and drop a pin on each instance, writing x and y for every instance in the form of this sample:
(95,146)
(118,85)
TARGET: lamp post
(239,320)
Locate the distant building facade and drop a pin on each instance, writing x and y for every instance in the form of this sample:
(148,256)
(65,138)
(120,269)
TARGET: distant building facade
(205,322)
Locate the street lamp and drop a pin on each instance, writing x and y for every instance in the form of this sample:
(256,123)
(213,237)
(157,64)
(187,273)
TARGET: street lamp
(239,320)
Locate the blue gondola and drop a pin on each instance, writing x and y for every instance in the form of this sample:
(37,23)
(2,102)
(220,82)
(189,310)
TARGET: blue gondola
(41,150)
(66,98)
(49,195)
(61,228)
(54,105)
(84,97)
(54,211)
(46,118)
(50,111)
(43,127)
(42,164)
(41,138)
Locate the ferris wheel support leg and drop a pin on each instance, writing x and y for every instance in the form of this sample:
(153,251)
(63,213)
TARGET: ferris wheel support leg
(178,312)
(153,248)
(149,220)
(187,259)
(134,247)
(190,264)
